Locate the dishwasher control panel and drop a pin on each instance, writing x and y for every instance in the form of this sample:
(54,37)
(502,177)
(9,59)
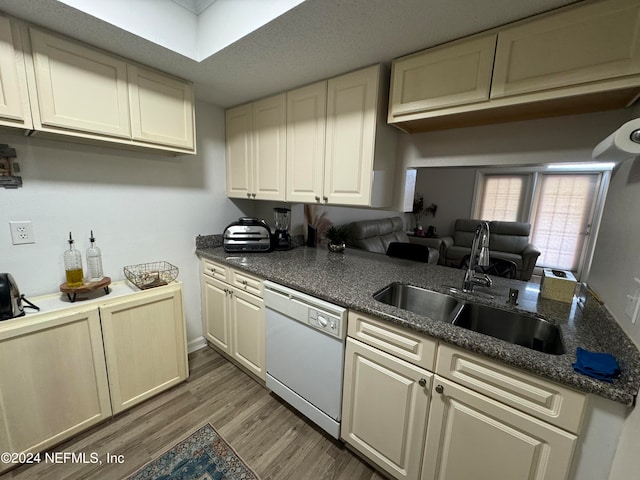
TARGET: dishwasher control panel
(326,322)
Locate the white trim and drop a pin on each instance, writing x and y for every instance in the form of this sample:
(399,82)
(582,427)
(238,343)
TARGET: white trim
(196,344)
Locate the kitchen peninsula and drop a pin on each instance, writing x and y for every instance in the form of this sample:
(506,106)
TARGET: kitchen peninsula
(350,280)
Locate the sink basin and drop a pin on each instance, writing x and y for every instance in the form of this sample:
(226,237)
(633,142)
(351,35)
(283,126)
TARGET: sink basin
(438,306)
(513,327)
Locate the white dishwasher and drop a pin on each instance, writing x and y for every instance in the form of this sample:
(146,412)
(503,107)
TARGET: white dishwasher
(305,339)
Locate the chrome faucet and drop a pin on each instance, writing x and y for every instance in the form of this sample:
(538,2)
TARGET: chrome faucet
(479,257)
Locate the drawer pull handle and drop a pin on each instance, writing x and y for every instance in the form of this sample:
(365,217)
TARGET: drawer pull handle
(439,389)
(422,382)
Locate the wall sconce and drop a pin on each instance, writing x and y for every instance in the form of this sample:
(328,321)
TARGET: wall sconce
(9,168)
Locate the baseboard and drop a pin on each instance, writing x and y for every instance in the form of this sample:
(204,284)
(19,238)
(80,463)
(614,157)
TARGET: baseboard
(196,344)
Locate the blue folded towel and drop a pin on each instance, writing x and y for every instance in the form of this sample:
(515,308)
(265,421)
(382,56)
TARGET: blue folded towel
(602,366)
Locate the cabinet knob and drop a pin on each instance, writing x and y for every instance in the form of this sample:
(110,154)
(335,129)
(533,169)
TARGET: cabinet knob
(253,195)
(422,382)
(248,195)
(317,198)
(439,389)
(326,199)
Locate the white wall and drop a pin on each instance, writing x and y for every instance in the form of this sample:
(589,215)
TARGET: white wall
(451,189)
(616,261)
(142,207)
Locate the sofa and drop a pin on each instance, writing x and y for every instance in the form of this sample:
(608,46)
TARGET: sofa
(507,241)
(377,235)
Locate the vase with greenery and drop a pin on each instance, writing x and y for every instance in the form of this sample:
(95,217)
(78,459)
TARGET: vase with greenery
(337,237)
(419,210)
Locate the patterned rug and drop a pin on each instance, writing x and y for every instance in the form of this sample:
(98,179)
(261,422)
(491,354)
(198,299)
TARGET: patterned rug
(203,455)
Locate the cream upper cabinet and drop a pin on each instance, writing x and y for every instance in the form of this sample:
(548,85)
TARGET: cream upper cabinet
(14,96)
(269,148)
(145,345)
(54,380)
(306,130)
(233,315)
(595,42)
(358,163)
(161,108)
(256,149)
(238,147)
(472,436)
(452,74)
(385,407)
(79,88)
(581,58)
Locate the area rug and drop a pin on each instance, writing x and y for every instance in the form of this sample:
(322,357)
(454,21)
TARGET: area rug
(203,455)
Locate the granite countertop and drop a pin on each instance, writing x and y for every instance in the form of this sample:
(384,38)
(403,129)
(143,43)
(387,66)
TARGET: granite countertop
(350,280)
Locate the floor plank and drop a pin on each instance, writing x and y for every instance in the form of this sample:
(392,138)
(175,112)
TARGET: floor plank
(274,439)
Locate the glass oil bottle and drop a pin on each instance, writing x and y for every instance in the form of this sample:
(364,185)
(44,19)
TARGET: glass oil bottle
(73,265)
(94,261)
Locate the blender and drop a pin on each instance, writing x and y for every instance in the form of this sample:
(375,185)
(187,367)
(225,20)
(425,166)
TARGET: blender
(281,237)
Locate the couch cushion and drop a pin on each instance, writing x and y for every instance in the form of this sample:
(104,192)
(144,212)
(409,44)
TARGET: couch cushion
(511,237)
(376,235)
(464,232)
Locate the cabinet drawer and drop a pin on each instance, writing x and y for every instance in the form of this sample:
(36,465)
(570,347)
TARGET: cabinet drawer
(400,342)
(246,282)
(531,394)
(214,270)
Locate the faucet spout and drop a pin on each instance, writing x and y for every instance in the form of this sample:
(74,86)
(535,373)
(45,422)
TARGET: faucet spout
(479,257)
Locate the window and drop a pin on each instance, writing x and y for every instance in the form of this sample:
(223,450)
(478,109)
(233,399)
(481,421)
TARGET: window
(561,206)
(502,197)
(562,218)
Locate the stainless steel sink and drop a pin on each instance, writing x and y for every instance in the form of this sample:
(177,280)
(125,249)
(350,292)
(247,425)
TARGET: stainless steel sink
(438,306)
(513,327)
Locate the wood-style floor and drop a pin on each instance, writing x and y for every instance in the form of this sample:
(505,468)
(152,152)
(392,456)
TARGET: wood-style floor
(272,438)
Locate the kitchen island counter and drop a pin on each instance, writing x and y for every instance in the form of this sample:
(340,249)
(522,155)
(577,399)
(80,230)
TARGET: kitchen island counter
(350,279)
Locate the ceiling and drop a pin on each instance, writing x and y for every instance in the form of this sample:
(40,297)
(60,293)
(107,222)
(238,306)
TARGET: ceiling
(316,39)
(194,6)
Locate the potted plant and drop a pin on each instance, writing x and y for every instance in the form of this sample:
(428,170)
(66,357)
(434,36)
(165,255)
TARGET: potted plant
(337,237)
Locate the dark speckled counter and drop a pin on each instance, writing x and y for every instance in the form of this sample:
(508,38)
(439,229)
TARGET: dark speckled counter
(350,280)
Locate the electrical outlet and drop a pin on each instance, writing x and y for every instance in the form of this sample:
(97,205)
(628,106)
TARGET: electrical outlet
(21,232)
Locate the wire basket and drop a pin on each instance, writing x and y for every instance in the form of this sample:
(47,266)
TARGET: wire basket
(149,275)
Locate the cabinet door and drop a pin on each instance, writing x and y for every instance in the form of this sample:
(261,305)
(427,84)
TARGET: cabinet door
(247,327)
(472,436)
(53,379)
(351,134)
(161,109)
(588,43)
(145,345)
(444,76)
(384,409)
(14,100)
(79,88)
(215,314)
(239,151)
(270,148)
(306,123)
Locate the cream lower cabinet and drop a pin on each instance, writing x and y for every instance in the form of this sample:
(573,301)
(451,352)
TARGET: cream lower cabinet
(233,315)
(385,406)
(145,346)
(472,436)
(473,419)
(53,379)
